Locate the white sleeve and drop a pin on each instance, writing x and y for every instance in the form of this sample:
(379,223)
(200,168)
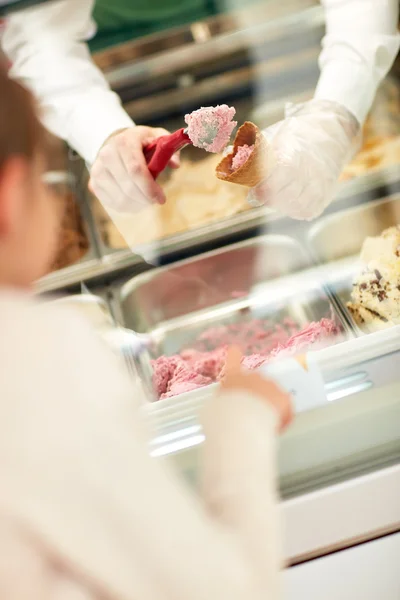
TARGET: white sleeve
(20,553)
(48,54)
(359,48)
(75,467)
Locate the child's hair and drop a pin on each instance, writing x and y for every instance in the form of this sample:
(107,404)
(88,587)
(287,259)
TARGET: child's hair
(21,133)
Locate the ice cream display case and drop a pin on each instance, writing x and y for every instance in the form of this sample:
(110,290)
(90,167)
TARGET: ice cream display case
(293,295)
(278,295)
(271,298)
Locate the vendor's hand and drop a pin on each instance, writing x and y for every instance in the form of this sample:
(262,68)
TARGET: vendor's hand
(236,378)
(309,149)
(119,176)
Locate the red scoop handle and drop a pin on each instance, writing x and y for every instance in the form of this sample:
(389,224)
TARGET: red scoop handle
(159,153)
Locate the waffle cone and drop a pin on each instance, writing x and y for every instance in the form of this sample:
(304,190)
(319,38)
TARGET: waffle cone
(254,170)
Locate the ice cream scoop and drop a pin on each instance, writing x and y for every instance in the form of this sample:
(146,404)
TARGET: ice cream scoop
(208,128)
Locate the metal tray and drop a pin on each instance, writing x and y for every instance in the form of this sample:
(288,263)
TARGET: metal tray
(71,178)
(264,278)
(338,239)
(244,223)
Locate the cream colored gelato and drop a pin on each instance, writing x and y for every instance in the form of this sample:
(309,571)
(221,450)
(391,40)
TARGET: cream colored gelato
(194,198)
(376,291)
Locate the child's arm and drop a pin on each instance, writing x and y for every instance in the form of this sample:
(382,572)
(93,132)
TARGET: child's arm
(240,464)
(75,469)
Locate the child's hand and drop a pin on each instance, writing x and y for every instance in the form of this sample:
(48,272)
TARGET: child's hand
(238,379)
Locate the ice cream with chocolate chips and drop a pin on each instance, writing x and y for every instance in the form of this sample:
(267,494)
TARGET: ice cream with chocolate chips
(375,299)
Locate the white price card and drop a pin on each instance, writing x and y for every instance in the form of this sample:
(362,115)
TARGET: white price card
(302,378)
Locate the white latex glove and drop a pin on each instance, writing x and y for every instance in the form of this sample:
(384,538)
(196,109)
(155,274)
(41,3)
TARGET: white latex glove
(119,176)
(309,149)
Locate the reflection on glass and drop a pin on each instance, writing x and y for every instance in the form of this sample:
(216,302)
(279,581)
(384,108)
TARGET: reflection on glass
(298,273)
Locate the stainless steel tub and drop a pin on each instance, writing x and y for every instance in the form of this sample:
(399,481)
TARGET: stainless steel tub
(338,239)
(269,277)
(76,228)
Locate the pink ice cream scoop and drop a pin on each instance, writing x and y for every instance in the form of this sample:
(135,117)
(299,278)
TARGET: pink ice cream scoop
(208,128)
(241,157)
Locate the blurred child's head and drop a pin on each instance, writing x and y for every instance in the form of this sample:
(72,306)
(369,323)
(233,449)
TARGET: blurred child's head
(28,213)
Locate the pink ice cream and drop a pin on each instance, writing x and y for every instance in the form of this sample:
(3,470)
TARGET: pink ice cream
(184,379)
(210,127)
(253,361)
(241,156)
(260,341)
(315,334)
(187,371)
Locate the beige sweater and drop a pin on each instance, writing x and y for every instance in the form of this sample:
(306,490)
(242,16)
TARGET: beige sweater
(85,513)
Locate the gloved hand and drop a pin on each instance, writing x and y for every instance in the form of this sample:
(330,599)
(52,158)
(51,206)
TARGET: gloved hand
(119,176)
(309,149)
